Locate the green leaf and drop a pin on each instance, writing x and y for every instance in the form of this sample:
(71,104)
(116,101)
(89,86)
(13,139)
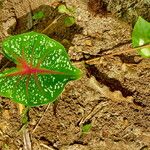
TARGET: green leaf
(43,69)
(86,128)
(69,21)
(38,15)
(62,9)
(141,36)
(65,10)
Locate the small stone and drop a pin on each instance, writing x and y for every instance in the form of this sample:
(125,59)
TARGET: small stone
(79,18)
(85,32)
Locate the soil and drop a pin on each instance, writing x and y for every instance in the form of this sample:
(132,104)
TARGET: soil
(113,95)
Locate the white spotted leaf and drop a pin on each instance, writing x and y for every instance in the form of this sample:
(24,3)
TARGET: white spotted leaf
(43,69)
(141,36)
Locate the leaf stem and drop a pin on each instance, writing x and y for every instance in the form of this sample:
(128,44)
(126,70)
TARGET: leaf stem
(25,118)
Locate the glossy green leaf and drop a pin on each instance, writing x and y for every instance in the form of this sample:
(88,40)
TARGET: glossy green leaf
(141,36)
(43,69)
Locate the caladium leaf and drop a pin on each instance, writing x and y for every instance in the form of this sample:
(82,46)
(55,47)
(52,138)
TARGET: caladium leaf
(141,36)
(43,69)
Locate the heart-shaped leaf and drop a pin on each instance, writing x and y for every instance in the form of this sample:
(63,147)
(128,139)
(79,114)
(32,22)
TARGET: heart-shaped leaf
(141,36)
(43,69)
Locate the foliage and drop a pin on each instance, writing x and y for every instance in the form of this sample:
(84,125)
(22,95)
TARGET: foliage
(141,36)
(66,10)
(43,69)
(38,15)
(70,19)
(86,128)
(63,9)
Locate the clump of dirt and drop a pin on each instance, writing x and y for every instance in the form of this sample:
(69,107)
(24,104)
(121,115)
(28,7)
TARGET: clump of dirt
(113,95)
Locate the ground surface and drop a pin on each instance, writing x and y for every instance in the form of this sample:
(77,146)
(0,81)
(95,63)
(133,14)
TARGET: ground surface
(113,95)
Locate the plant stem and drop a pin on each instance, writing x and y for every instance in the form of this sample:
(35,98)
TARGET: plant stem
(25,118)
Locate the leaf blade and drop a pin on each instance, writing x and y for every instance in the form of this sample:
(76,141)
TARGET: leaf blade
(141,36)
(43,69)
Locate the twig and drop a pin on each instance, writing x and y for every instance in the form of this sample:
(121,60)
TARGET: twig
(46,146)
(26,140)
(112,54)
(41,118)
(53,22)
(95,110)
(129,50)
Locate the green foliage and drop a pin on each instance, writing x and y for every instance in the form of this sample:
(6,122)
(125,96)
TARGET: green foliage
(70,19)
(43,69)
(38,15)
(141,36)
(86,128)
(63,9)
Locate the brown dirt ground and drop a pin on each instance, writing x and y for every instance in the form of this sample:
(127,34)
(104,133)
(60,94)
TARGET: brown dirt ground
(113,95)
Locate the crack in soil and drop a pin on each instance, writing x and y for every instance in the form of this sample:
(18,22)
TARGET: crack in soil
(112,83)
(78,142)
(138,103)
